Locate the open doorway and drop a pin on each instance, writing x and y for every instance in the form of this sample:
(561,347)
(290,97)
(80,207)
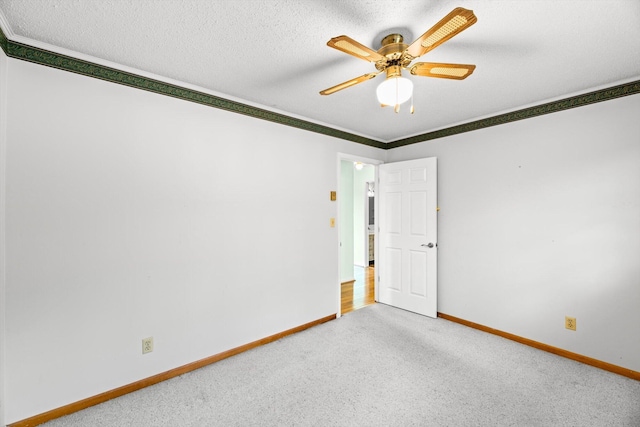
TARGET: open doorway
(357,232)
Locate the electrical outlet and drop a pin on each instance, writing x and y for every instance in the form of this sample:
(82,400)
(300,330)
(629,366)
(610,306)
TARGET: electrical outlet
(147,345)
(570,323)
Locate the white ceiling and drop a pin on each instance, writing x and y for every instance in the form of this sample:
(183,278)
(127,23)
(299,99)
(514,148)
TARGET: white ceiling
(273,53)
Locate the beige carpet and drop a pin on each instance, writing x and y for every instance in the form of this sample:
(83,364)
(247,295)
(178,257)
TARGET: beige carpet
(381,366)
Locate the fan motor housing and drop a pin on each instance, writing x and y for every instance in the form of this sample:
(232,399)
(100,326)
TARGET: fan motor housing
(393,49)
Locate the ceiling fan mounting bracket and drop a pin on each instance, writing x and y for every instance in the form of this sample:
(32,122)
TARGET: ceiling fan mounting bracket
(393,48)
(392,38)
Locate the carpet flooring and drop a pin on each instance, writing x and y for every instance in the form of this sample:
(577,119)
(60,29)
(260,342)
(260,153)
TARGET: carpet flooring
(381,366)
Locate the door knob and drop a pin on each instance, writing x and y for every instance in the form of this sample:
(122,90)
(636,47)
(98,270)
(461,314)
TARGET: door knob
(429,245)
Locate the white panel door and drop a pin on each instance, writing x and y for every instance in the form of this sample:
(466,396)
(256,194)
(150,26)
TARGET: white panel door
(407,253)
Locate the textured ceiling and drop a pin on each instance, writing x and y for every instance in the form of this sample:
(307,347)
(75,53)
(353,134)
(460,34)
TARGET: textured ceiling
(273,53)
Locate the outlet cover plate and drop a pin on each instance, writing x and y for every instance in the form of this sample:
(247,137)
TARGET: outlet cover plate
(147,345)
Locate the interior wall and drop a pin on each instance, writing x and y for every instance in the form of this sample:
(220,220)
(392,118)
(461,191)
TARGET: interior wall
(131,214)
(540,219)
(3,168)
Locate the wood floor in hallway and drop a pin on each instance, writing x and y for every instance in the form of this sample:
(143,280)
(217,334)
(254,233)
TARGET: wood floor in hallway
(360,292)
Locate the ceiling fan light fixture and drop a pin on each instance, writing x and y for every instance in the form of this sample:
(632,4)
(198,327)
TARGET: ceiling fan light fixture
(395,55)
(394,91)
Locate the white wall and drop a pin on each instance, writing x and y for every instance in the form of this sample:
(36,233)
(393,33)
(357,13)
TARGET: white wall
(131,214)
(540,219)
(3,146)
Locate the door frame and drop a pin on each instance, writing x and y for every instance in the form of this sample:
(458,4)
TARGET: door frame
(369,161)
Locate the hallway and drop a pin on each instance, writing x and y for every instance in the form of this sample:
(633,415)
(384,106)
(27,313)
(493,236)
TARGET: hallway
(359,293)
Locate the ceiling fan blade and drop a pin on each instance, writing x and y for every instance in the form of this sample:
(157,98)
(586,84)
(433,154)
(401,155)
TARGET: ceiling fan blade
(445,71)
(349,83)
(458,20)
(352,47)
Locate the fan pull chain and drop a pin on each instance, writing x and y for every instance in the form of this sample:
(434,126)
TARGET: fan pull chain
(412,109)
(397,107)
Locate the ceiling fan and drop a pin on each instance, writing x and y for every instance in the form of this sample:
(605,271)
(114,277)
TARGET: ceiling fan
(394,55)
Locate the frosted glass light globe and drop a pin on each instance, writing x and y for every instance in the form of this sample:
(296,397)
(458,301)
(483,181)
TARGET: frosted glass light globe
(394,90)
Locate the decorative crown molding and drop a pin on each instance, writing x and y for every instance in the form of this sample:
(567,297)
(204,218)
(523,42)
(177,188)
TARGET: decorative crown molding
(526,113)
(63,62)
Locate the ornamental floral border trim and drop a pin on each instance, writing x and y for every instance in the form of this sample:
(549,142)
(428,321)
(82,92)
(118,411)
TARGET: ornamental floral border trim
(526,113)
(86,68)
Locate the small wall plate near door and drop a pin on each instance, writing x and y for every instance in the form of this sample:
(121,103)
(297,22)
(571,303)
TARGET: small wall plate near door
(570,323)
(147,345)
